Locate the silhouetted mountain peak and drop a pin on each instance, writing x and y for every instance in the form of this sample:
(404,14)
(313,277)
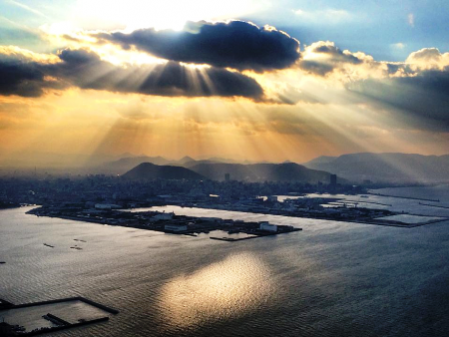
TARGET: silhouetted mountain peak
(149,171)
(386,167)
(261,172)
(186,159)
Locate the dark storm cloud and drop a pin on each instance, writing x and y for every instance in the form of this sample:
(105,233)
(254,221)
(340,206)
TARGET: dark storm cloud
(393,68)
(334,57)
(236,44)
(422,99)
(336,54)
(86,70)
(317,68)
(21,78)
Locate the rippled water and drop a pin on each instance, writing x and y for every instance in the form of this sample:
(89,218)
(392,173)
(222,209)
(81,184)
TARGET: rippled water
(31,317)
(332,279)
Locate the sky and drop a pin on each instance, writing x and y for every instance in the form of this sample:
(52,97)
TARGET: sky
(86,81)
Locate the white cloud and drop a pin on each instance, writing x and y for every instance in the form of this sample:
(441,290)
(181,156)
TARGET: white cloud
(398,45)
(411,20)
(427,59)
(329,15)
(28,8)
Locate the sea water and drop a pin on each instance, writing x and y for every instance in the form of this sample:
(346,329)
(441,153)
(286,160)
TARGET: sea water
(331,279)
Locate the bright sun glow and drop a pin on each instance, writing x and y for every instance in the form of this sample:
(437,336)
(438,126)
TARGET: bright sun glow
(170,14)
(218,291)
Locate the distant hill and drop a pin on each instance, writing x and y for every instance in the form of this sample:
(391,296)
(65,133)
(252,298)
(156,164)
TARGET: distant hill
(287,172)
(148,171)
(127,163)
(183,161)
(321,160)
(386,167)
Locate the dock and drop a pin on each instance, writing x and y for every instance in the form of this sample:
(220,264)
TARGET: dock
(254,236)
(62,300)
(64,327)
(436,206)
(232,239)
(402,197)
(55,319)
(4,304)
(347,201)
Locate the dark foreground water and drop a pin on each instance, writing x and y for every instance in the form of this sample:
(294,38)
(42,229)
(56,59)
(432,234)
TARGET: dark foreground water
(332,279)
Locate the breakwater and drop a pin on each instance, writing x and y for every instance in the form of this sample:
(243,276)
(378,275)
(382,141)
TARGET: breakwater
(61,323)
(363,202)
(64,327)
(10,305)
(403,197)
(436,206)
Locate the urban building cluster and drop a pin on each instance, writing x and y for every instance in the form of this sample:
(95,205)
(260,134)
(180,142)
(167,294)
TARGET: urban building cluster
(100,189)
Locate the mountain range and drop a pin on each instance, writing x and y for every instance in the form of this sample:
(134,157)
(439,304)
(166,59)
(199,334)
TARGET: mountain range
(127,163)
(286,172)
(397,168)
(148,171)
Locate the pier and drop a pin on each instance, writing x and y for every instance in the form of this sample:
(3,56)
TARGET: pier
(55,319)
(399,197)
(436,206)
(64,327)
(4,304)
(259,235)
(232,239)
(363,202)
(10,305)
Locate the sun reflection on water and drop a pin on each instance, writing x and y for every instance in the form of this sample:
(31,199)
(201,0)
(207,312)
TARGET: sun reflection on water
(222,290)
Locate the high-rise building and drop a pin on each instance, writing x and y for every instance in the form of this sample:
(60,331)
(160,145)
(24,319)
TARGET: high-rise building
(333,180)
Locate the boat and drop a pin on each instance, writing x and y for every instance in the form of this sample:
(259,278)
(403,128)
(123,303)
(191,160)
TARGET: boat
(46,244)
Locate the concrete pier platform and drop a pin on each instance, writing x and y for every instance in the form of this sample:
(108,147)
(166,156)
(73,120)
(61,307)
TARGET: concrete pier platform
(62,324)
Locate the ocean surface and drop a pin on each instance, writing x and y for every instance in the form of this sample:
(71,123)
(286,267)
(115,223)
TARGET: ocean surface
(331,279)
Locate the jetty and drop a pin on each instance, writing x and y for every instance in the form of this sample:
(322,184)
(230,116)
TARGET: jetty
(55,319)
(61,300)
(436,206)
(403,197)
(347,201)
(64,327)
(254,236)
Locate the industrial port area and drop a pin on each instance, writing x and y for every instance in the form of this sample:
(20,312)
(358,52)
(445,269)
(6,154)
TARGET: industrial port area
(168,222)
(333,208)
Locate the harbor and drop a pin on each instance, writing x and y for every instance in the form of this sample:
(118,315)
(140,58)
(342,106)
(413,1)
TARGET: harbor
(56,322)
(308,207)
(171,223)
